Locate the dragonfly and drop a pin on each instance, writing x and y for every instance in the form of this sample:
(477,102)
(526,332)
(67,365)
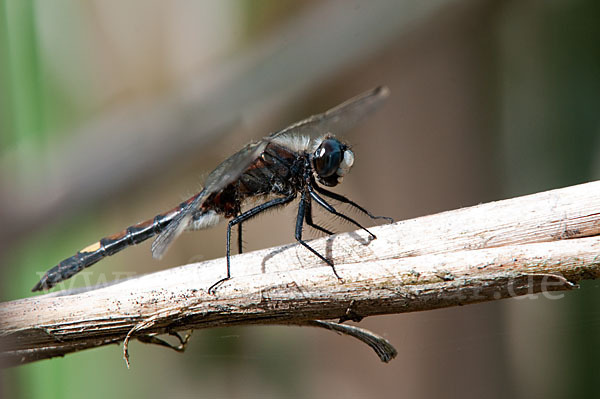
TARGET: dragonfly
(299,160)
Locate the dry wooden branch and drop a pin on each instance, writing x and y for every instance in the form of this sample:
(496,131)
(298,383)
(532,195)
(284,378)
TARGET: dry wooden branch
(537,243)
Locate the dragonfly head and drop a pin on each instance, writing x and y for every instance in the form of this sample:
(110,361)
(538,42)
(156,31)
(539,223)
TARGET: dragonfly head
(331,161)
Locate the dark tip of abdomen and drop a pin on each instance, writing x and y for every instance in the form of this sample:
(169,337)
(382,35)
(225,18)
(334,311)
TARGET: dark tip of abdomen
(38,287)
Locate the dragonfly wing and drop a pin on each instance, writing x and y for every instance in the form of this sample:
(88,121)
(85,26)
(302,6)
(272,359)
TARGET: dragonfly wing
(339,119)
(175,227)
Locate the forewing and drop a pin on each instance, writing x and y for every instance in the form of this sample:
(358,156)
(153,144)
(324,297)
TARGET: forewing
(224,174)
(339,119)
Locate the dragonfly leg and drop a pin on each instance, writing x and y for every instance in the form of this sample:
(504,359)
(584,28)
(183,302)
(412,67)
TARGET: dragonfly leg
(243,217)
(331,209)
(309,220)
(240,238)
(348,201)
(302,208)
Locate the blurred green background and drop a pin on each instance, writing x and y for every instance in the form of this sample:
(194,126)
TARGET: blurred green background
(113,111)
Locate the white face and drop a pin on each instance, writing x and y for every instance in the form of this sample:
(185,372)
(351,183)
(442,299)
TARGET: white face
(346,164)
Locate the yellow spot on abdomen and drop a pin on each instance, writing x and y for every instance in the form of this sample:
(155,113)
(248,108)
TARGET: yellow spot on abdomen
(92,248)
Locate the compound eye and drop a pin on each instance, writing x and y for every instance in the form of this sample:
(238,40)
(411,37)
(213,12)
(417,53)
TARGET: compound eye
(328,157)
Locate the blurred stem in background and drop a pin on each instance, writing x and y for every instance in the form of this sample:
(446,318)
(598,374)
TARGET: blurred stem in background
(22,108)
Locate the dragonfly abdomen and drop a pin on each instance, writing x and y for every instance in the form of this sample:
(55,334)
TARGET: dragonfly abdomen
(107,246)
